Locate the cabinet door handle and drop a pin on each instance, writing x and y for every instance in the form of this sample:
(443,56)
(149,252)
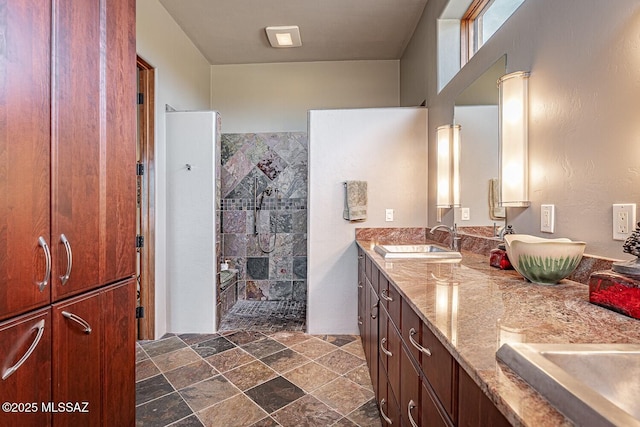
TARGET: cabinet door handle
(422,349)
(411,406)
(79,320)
(360,285)
(360,256)
(374,316)
(384,350)
(385,295)
(359,320)
(47,264)
(67,247)
(384,416)
(40,328)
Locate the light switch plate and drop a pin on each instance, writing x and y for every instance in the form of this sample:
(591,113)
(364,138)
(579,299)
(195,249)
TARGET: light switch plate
(388,215)
(548,218)
(624,220)
(465,214)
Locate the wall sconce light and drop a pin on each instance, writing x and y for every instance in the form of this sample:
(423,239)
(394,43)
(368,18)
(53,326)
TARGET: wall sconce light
(513,160)
(448,150)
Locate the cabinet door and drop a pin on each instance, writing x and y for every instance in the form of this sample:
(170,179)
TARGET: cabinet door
(361,292)
(387,402)
(429,414)
(77,356)
(25,370)
(389,350)
(77,157)
(410,405)
(119,341)
(474,407)
(93,144)
(24,155)
(371,322)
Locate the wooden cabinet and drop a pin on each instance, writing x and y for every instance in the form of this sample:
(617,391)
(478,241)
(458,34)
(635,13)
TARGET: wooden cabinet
(67,207)
(416,380)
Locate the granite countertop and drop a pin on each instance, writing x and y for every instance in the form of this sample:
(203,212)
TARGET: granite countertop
(474,308)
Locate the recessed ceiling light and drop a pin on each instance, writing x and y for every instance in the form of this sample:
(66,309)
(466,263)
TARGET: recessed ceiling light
(286,36)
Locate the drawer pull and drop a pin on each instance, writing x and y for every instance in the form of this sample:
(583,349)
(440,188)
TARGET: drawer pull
(384,416)
(374,316)
(360,285)
(359,320)
(40,327)
(67,248)
(422,349)
(384,350)
(360,256)
(385,295)
(411,406)
(79,320)
(47,266)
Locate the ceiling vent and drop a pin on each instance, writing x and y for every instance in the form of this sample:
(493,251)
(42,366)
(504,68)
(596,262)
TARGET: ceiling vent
(286,36)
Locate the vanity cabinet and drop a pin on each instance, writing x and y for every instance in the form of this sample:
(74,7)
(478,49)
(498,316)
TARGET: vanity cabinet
(417,380)
(67,208)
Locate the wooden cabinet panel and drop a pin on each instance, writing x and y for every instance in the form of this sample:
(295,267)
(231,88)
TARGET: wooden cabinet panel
(393,301)
(389,350)
(361,292)
(438,368)
(77,145)
(27,339)
(410,404)
(387,402)
(429,415)
(372,333)
(25,28)
(119,341)
(119,178)
(77,357)
(411,327)
(475,408)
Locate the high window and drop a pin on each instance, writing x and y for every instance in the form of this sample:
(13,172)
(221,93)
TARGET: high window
(481,21)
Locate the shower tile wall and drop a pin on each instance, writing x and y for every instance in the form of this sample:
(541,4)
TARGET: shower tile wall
(273,264)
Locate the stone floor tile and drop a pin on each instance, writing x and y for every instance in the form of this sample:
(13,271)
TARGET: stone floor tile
(239,411)
(244,337)
(146,369)
(212,346)
(367,415)
(340,361)
(170,361)
(310,376)
(275,394)
(343,395)
(191,339)
(290,338)
(355,348)
(285,360)
(230,359)
(263,347)
(250,375)
(313,348)
(162,411)
(306,412)
(152,388)
(208,392)
(190,374)
(360,376)
(191,421)
(167,345)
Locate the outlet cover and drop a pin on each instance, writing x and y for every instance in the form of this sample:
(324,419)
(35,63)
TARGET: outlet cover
(624,220)
(548,218)
(465,214)
(388,215)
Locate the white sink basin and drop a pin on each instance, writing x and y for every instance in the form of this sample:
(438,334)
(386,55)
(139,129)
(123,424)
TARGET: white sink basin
(434,252)
(592,384)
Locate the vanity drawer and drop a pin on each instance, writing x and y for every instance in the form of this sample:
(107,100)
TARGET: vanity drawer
(391,299)
(436,362)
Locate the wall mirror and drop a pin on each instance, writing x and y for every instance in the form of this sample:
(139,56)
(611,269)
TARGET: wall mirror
(476,111)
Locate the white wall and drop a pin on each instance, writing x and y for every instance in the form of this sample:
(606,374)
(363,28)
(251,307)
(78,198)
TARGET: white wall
(182,81)
(276,97)
(385,147)
(584,127)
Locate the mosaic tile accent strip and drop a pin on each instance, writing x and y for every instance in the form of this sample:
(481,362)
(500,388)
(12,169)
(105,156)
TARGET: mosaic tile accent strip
(260,379)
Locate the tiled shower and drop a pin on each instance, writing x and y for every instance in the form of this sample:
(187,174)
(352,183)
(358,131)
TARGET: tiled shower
(268,171)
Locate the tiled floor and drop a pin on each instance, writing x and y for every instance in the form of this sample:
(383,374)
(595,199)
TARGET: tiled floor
(251,378)
(265,316)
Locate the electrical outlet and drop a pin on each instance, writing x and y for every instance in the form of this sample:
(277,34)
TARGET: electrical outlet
(548,218)
(465,214)
(624,219)
(388,215)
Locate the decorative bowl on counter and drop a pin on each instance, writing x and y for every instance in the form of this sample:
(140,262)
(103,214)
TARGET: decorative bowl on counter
(543,261)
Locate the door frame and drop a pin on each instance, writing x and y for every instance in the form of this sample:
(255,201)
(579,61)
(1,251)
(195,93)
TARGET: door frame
(146,140)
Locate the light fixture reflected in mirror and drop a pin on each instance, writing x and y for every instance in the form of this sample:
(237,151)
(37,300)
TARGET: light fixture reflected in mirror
(513,126)
(448,151)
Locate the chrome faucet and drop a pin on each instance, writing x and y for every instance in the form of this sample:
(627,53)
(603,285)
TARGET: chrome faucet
(453,231)
(507,229)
